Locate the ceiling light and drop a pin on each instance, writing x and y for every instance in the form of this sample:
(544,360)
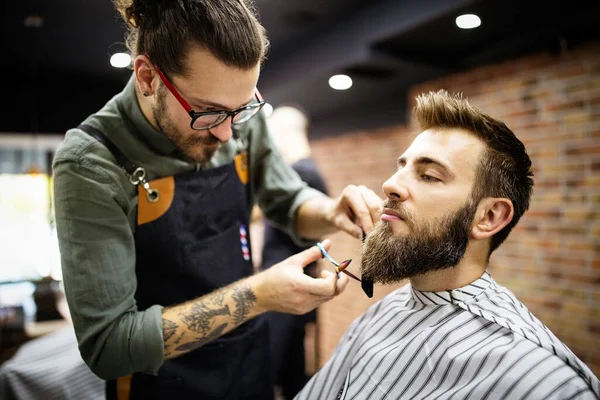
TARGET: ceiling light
(267,109)
(120,60)
(468,21)
(340,82)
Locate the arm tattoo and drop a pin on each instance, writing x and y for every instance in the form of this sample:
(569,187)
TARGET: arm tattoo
(203,340)
(244,299)
(200,317)
(169,329)
(218,298)
(181,335)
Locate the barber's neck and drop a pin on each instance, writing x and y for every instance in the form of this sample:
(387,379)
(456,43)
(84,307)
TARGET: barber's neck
(468,270)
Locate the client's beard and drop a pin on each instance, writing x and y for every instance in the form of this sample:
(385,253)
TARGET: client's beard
(432,246)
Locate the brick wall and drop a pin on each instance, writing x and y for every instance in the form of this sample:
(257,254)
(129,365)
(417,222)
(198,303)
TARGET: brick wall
(551,259)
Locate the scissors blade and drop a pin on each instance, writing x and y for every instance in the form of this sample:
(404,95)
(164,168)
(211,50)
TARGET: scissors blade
(326,254)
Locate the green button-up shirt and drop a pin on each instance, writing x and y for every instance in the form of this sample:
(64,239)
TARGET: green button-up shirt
(96,208)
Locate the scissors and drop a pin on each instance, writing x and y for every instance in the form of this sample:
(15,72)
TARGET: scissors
(366,285)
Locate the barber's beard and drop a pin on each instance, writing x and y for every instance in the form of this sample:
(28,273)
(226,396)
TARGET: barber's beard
(196,148)
(432,246)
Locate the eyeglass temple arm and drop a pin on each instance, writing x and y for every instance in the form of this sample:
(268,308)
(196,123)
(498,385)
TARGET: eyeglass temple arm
(182,101)
(258,95)
(174,91)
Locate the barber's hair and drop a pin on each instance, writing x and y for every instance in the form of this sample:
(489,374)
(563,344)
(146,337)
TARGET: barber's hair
(504,169)
(165,30)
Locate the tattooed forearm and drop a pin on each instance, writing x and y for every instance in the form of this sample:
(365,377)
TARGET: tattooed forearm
(244,299)
(169,329)
(176,341)
(203,340)
(218,298)
(197,322)
(199,317)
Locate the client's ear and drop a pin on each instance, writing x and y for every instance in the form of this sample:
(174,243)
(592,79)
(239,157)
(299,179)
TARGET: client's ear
(492,215)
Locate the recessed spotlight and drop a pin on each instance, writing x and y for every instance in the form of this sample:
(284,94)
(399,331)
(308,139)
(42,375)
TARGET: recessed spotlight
(340,82)
(267,109)
(120,60)
(468,21)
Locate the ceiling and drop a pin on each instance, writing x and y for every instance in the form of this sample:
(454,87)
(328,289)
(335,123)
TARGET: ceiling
(58,73)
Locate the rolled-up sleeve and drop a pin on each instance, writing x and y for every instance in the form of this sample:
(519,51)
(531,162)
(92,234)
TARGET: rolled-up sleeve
(279,189)
(98,265)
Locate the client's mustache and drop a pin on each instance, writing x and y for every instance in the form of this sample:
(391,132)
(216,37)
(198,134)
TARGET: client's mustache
(397,206)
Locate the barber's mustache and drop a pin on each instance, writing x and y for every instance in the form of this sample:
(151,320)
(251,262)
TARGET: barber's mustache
(207,140)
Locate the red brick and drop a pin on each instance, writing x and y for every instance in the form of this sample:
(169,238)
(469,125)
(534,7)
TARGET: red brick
(547,183)
(595,100)
(565,105)
(592,181)
(569,71)
(536,62)
(576,117)
(539,124)
(570,261)
(580,214)
(584,246)
(576,88)
(595,68)
(540,213)
(566,229)
(574,167)
(585,279)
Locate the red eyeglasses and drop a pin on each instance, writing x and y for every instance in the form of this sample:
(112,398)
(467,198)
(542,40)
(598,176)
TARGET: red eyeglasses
(210,119)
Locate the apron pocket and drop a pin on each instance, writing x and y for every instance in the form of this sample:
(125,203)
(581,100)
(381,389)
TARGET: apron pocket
(218,260)
(232,367)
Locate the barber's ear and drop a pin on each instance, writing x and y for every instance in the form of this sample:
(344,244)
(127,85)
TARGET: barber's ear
(492,215)
(144,74)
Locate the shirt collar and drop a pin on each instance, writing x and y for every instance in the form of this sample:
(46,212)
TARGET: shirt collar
(129,105)
(454,296)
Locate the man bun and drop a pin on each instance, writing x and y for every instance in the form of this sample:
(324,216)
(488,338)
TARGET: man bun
(134,12)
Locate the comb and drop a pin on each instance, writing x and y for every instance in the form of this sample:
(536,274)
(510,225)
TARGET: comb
(366,284)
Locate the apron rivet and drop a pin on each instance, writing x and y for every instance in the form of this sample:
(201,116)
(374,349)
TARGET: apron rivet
(152,195)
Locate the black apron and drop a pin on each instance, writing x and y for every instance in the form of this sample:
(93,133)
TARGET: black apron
(191,239)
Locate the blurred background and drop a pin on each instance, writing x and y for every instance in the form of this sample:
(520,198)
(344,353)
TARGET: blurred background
(355,67)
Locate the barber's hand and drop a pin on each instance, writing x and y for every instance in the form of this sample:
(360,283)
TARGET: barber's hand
(356,210)
(286,288)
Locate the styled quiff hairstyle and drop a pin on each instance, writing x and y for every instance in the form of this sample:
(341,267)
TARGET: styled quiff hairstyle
(164,30)
(504,168)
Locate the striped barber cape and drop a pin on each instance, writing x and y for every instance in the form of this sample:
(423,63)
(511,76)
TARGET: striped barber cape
(476,342)
(50,368)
